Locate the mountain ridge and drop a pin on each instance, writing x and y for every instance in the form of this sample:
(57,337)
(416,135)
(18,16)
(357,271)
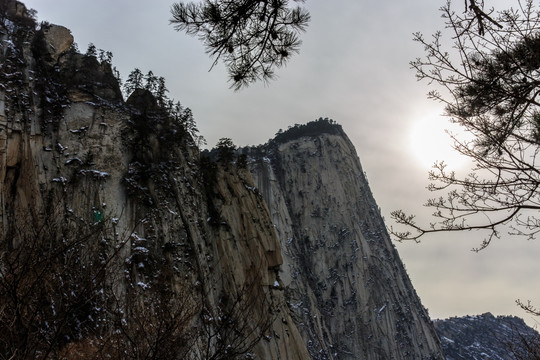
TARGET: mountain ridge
(120,240)
(487,336)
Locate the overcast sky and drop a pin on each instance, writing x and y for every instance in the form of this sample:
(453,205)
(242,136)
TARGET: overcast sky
(354,68)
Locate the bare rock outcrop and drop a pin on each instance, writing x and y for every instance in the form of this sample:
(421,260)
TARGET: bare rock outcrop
(128,246)
(119,240)
(58,39)
(14,8)
(344,280)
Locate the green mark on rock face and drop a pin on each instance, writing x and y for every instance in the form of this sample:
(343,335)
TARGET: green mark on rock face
(98,216)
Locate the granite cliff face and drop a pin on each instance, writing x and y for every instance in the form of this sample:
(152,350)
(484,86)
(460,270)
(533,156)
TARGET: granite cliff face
(119,240)
(114,239)
(344,281)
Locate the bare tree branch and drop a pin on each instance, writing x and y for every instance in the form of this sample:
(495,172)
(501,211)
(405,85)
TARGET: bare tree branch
(489,82)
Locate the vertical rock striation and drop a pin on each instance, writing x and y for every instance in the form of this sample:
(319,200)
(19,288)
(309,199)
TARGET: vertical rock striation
(141,250)
(118,240)
(345,283)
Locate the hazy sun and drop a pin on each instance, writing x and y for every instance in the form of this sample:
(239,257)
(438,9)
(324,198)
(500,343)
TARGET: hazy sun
(429,142)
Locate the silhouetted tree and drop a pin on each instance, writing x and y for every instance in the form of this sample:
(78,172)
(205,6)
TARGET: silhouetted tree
(225,150)
(161,91)
(151,82)
(252,37)
(242,161)
(91,51)
(105,56)
(134,81)
(491,89)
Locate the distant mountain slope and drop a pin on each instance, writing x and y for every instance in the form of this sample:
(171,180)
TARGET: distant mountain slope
(488,337)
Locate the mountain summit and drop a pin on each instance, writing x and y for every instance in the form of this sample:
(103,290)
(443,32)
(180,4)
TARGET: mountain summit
(343,278)
(119,240)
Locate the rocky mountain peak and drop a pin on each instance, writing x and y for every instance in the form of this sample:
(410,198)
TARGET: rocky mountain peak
(343,278)
(58,40)
(310,129)
(118,240)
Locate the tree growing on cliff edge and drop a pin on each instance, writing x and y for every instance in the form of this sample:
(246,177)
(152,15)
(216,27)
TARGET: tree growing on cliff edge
(489,83)
(134,81)
(225,150)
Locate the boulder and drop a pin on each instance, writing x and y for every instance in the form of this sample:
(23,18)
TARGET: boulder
(58,39)
(16,8)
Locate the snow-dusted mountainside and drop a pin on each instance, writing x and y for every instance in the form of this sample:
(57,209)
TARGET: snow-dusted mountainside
(487,337)
(343,279)
(118,240)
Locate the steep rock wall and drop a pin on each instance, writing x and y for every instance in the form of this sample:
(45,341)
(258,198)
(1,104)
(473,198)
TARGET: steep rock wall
(122,184)
(345,283)
(116,192)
